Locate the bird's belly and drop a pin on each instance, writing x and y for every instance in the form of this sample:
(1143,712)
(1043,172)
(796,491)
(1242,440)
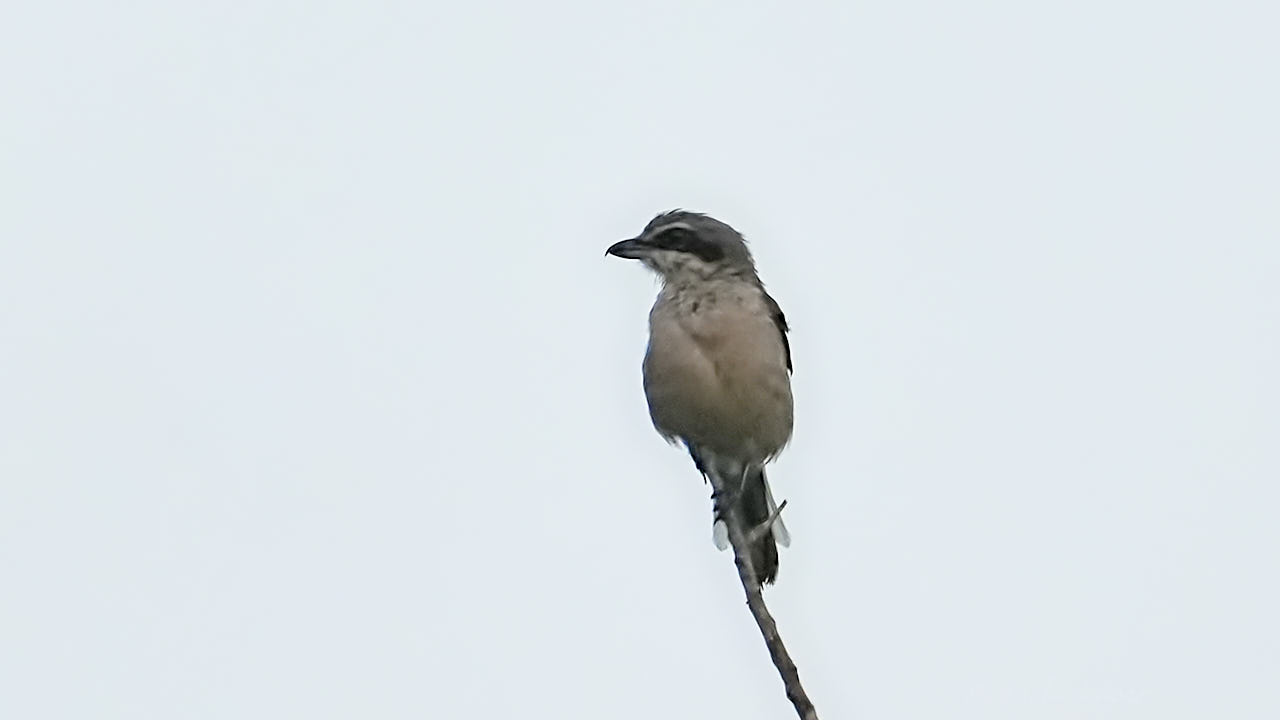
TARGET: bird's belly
(735,403)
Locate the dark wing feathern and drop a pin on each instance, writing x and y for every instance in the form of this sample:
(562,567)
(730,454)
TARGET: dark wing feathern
(780,320)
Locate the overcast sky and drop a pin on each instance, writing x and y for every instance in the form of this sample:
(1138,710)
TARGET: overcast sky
(319,399)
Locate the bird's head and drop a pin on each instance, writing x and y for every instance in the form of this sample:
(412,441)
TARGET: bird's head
(680,244)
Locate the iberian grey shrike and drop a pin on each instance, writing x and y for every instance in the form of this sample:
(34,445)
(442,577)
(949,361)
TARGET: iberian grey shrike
(717,371)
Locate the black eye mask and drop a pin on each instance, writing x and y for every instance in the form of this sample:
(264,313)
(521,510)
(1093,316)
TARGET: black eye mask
(682,240)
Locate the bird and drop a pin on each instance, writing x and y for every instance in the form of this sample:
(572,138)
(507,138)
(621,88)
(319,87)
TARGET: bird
(717,370)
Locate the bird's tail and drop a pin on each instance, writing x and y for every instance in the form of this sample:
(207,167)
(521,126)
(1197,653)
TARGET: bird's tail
(755,505)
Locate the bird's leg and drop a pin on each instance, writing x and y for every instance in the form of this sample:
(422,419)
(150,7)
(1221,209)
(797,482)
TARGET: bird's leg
(697,459)
(725,497)
(709,467)
(729,494)
(722,499)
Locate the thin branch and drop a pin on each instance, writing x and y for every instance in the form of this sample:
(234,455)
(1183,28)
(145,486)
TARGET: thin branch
(755,602)
(758,531)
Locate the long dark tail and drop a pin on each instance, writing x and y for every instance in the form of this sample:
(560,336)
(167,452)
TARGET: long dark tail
(753,508)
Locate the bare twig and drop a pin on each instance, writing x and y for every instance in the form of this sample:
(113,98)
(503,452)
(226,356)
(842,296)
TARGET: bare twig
(758,531)
(755,601)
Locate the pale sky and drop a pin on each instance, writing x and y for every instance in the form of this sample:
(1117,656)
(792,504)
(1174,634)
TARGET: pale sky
(319,399)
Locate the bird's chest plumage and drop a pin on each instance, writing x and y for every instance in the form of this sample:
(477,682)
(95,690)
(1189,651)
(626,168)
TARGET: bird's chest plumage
(715,371)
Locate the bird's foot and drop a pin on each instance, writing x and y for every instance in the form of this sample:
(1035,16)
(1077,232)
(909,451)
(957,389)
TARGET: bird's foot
(725,500)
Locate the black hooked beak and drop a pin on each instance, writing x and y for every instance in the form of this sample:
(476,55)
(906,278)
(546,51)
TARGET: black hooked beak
(632,249)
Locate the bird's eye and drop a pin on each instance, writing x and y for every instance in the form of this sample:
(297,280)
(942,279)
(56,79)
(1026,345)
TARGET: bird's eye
(676,238)
(685,240)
